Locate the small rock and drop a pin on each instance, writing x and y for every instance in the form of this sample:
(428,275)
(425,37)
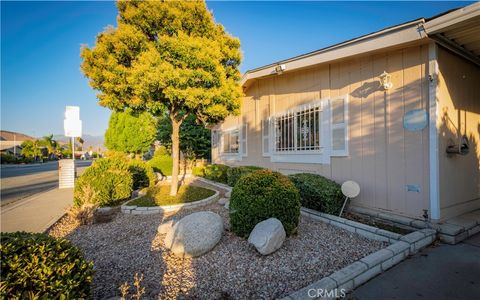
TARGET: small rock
(228,194)
(227,204)
(195,234)
(222,201)
(267,236)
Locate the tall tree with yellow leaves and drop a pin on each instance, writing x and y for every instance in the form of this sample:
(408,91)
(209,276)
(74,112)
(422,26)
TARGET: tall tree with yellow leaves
(166,56)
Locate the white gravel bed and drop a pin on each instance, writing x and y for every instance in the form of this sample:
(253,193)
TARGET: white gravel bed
(232,270)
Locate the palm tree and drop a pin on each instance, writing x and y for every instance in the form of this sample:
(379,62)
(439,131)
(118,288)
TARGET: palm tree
(81,141)
(50,144)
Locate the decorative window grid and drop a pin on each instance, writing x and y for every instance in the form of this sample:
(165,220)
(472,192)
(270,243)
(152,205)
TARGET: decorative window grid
(298,130)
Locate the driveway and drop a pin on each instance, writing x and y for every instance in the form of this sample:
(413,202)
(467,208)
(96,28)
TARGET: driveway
(438,272)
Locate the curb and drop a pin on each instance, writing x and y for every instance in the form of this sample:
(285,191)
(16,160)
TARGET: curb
(136,210)
(364,269)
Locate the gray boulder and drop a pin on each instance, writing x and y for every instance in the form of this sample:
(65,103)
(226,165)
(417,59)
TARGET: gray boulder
(222,201)
(195,234)
(267,236)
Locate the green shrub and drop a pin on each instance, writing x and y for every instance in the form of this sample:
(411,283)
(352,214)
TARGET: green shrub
(261,195)
(162,162)
(234,173)
(216,172)
(318,193)
(142,174)
(37,266)
(106,182)
(198,171)
(7,158)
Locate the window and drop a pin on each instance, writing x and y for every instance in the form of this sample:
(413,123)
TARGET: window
(298,130)
(310,133)
(338,109)
(230,142)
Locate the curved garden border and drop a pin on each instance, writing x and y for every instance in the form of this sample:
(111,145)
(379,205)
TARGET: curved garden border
(138,210)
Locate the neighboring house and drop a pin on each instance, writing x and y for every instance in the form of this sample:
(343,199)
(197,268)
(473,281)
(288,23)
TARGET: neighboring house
(381,109)
(10,142)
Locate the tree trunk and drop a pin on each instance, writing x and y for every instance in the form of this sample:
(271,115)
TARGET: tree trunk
(175,154)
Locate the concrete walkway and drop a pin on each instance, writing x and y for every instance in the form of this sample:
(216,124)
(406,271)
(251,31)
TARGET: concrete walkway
(36,213)
(438,272)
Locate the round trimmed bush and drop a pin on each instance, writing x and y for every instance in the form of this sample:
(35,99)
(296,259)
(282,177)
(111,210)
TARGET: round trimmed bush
(106,182)
(261,195)
(142,174)
(234,173)
(318,193)
(37,266)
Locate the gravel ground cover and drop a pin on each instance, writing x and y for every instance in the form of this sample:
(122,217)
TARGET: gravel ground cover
(232,270)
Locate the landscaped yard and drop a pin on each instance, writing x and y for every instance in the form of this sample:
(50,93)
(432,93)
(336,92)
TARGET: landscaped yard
(131,244)
(159,195)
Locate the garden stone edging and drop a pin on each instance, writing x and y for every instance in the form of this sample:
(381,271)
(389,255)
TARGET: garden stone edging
(136,210)
(367,267)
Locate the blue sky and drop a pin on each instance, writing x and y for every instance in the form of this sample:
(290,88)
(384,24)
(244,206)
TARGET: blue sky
(40,46)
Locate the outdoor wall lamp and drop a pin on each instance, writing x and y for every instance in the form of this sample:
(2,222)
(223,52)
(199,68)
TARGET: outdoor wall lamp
(280,68)
(385,80)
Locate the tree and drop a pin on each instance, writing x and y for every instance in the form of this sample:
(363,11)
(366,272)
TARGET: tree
(49,143)
(194,137)
(80,141)
(130,133)
(31,149)
(167,56)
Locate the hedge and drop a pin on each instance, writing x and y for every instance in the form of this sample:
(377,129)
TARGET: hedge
(318,193)
(37,266)
(106,182)
(142,174)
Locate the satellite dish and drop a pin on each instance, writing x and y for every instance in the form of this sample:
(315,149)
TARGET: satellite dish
(350,189)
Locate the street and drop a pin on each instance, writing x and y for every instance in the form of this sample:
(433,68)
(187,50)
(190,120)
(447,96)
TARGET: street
(21,181)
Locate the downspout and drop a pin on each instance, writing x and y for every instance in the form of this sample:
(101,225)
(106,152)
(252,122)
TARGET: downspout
(433,77)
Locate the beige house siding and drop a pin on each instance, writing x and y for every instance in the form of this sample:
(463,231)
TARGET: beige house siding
(459,114)
(383,157)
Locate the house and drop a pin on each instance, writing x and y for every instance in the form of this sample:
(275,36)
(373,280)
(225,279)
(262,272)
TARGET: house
(397,111)
(10,142)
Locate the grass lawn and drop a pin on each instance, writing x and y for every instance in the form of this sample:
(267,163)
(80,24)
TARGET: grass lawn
(160,195)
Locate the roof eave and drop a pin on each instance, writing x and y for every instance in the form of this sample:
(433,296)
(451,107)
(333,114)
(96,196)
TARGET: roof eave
(390,37)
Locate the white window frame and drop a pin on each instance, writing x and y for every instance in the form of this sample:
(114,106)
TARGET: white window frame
(242,132)
(324,154)
(266,140)
(222,141)
(243,146)
(345,151)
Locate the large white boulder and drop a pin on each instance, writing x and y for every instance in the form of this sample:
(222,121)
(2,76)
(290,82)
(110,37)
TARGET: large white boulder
(267,236)
(195,234)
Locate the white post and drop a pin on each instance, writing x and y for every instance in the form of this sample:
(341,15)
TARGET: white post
(73,148)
